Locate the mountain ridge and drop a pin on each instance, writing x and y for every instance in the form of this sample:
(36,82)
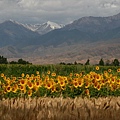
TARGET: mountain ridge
(88,37)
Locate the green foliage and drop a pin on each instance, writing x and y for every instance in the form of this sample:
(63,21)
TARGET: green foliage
(20,61)
(3,60)
(115,62)
(101,62)
(87,62)
(41,92)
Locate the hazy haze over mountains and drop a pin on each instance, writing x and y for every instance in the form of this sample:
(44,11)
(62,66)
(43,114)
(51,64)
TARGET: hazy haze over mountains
(86,38)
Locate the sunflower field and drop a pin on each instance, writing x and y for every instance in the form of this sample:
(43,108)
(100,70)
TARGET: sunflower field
(18,81)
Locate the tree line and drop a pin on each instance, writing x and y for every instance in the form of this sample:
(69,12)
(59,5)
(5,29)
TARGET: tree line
(101,62)
(4,60)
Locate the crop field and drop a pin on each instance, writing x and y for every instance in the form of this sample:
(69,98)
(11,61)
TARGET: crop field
(59,92)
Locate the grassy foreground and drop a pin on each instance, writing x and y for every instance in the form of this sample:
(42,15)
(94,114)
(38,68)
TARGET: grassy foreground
(45,108)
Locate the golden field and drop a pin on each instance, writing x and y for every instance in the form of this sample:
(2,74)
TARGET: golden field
(60,109)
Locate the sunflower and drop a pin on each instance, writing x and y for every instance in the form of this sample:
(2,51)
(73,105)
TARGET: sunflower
(118,70)
(103,81)
(53,88)
(75,84)
(8,88)
(111,75)
(35,88)
(23,91)
(38,84)
(109,70)
(32,75)
(87,84)
(48,72)
(53,74)
(98,77)
(62,83)
(81,74)
(27,76)
(94,81)
(118,81)
(63,87)
(14,79)
(87,92)
(14,88)
(22,75)
(80,83)
(2,74)
(95,84)
(22,82)
(22,87)
(29,92)
(30,78)
(76,75)
(59,78)
(98,87)
(30,85)
(38,76)
(71,74)
(106,73)
(37,72)
(97,68)
(47,78)
(48,85)
(113,79)
(113,87)
(8,80)
(75,79)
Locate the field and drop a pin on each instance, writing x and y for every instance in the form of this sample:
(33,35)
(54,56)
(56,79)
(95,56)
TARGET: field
(59,92)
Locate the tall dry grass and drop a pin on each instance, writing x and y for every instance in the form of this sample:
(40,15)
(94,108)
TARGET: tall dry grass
(60,109)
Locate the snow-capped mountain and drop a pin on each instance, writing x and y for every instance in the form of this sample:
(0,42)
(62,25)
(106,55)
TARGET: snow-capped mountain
(88,37)
(40,28)
(43,28)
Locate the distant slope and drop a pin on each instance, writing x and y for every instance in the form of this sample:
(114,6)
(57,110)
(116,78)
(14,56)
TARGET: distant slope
(95,24)
(90,29)
(84,29)
(88,37)
(12,33)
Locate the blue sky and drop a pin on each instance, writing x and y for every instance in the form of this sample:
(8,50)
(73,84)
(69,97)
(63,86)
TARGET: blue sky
(59,11)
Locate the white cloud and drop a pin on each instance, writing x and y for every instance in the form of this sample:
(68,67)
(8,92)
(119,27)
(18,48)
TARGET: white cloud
(61,11)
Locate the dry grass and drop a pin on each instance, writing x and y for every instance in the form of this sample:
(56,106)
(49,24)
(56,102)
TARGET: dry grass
(60,109)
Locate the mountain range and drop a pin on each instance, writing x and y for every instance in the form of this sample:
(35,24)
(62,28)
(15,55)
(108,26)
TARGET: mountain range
(86,38)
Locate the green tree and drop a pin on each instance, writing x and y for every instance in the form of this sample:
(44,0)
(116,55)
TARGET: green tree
(75,63)
(87,62)
(115,62)
(13,62)
(3,60)
(101,62)
(21,61)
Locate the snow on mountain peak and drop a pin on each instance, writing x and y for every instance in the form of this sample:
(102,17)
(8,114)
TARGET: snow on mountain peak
(45,27)
(40,28)
(53,25)
(12,21)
